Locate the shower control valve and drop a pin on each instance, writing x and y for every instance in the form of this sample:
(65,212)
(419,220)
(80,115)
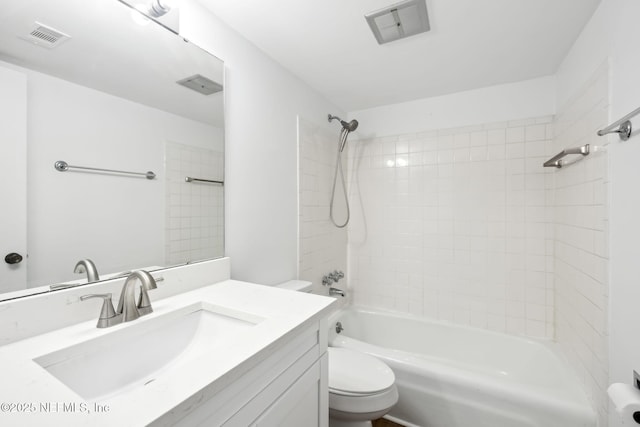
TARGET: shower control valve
(326,280)
(336,275)
(332,277)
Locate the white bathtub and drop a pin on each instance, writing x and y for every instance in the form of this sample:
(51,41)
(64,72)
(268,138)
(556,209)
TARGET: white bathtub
(452,376)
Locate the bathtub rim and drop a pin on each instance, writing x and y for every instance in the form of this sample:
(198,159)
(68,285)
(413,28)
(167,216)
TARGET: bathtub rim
(552,346)
(549,343)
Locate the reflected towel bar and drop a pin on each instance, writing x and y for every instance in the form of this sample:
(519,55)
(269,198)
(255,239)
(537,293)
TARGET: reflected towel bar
(63,166)
(191,179)
(623,125)
(555,161)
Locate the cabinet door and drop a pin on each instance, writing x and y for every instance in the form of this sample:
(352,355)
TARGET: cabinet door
(302,404)
(13,179)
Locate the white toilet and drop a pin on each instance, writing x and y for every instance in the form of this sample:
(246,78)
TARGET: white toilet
(361,387)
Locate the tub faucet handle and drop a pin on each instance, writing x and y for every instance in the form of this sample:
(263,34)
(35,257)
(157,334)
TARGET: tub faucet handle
(327,280)
(336,275)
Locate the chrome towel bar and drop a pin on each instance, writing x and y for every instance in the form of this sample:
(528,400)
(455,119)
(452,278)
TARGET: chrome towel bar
(623,125)
(191,179)
(63,166)
(556,162)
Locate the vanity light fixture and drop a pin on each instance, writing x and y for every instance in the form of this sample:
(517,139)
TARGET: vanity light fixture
(153,9)
(158,8)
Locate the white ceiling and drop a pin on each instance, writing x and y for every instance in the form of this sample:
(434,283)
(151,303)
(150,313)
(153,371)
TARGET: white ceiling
(472,44)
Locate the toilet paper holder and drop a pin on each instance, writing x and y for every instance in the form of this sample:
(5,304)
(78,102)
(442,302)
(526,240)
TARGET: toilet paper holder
(636,384)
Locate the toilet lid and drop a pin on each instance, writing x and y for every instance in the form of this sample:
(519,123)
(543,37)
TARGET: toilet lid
(357,373)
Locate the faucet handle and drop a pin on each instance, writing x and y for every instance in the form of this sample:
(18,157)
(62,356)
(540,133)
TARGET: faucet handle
(335,276)
(108,316)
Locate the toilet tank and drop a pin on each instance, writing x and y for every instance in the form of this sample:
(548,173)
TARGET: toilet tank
(296,285)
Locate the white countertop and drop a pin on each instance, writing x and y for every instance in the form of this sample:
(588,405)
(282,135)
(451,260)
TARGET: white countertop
(30,396)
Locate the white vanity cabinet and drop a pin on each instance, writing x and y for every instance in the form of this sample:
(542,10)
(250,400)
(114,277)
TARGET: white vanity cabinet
(285,386)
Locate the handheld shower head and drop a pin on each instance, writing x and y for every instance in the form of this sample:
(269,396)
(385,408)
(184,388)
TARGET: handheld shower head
(349,126)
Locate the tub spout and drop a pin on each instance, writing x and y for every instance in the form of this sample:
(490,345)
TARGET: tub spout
(335,291)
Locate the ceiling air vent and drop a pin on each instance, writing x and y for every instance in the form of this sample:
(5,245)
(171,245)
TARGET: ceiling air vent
(200,84)
(45,36)
(400,20)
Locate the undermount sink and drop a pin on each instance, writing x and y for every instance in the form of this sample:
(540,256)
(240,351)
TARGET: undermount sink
(135,355)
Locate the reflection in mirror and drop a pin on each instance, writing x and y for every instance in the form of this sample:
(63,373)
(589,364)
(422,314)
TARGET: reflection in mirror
(83,83)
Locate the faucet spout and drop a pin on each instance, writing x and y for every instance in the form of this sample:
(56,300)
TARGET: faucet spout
(87,266)
(335,291)
(127,306)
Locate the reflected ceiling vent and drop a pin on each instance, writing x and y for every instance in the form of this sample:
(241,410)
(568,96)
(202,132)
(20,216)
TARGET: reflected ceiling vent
(400,20)
(45,36)
(201,84)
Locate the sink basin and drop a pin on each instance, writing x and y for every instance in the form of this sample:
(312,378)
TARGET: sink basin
(135,355)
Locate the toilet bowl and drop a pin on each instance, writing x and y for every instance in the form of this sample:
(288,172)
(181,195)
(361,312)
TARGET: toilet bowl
(361,388)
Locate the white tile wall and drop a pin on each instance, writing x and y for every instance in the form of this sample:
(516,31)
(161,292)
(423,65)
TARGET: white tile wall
(581,243)
(322,246)
(194,211)
(456,225)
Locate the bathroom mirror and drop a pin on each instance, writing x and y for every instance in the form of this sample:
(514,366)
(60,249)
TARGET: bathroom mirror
(96,85)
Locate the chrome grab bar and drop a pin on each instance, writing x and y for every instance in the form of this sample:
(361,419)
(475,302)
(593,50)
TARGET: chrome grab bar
(556,162)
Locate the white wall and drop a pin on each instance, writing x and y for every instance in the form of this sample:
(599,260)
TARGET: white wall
(449,213)
(13,177)
(323,246)
(513,101)
(581,249)
(454,225)
(625,197)
(613,35)
(262,102)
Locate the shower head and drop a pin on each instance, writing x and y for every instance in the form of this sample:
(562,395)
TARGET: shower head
(348,126)
(351,126)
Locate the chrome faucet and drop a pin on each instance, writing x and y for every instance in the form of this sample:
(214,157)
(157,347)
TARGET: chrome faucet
(127,306)
(87,266)
(335,291)
(333,277)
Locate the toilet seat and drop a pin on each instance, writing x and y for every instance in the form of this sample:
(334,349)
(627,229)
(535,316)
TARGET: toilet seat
(357,374)
(361,388)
